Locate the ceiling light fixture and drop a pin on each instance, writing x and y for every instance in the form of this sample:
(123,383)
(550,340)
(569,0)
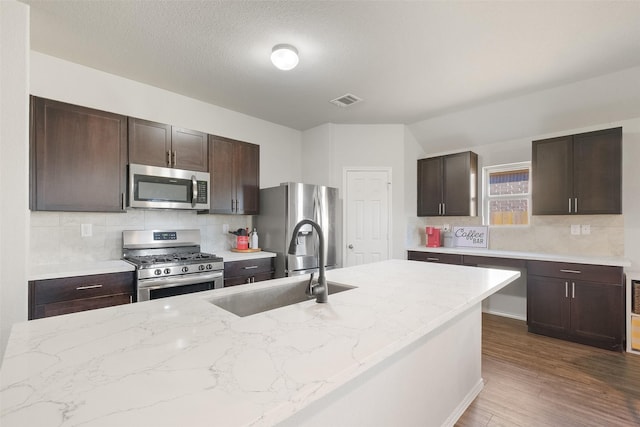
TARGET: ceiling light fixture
(284,56)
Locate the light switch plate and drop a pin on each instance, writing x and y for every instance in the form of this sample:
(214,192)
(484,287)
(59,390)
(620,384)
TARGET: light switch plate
(586,229)
(575,229)
(225,228)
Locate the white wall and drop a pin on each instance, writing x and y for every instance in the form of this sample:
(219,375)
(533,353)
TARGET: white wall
(65,81)
(328,149)
(14,172)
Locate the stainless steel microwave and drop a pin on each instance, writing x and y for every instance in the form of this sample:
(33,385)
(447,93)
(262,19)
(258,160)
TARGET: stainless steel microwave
(167,188)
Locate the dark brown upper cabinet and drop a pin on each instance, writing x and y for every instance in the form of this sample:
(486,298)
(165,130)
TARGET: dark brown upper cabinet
(448,185)
(78,158)
(578,174)
(235,176)
(158,144)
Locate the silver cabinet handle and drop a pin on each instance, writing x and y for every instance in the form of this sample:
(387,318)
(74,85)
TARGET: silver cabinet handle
(169,158)
(175,157)
(575,205)
(571,271)
(569,204)
(573,290)
(566,289)
(250,267)
(444,209)
(433,259)
(81,288)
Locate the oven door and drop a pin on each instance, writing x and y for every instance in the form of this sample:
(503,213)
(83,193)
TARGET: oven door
(149,289)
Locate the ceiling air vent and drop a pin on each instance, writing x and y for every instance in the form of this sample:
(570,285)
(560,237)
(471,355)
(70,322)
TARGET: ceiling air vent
(346,100)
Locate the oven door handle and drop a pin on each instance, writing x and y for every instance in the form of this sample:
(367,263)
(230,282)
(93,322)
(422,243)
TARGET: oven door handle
(171,282)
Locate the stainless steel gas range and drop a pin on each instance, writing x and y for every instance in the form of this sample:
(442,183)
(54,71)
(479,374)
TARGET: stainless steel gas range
(169,262)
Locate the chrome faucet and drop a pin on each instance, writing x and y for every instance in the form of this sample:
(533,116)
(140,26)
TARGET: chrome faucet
(319,289)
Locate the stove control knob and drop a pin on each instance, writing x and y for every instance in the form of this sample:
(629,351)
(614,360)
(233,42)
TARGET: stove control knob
(167,270)
(157,272)
(201,267)
(185,269)
(209,267)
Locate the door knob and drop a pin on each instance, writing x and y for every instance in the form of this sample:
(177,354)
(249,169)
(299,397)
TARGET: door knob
(350,246)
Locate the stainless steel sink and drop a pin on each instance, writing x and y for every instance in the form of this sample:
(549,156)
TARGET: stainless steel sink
(259,300)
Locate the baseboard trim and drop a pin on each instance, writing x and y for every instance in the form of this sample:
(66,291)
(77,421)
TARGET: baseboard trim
(466,402)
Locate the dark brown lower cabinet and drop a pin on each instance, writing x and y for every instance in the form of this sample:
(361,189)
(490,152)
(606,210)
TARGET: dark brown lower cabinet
(248,271)
(576,302)
(53,297)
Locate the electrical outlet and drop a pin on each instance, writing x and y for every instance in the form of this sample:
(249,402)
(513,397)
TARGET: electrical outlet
(86,230)
(446,227)
(575,229)
(586,229)
(225,228)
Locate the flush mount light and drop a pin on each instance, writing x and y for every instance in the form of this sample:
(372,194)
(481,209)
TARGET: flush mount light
(284,56)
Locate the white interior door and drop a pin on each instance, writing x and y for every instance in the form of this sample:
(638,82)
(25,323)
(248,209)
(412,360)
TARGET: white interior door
(367,213)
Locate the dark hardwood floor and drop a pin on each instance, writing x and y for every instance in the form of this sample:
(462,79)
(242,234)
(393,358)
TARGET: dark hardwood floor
(531,380)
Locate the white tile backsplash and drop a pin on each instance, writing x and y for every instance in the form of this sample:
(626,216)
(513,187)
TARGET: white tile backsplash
(55,236)
(546,234)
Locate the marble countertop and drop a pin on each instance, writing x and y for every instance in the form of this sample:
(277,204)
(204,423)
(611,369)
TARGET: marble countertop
(595,260)
(229,256)
(55,271)
(184,361)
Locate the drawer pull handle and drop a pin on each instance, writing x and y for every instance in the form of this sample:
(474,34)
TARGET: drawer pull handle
(571,271)
(81,288)
(433,259)
(251,267)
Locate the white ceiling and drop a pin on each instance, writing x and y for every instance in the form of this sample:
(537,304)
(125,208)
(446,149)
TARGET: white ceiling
(408,60)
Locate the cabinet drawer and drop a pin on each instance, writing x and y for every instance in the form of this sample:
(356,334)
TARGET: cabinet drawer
(475,260)
(250,267)
(594,273)
(435,257)
(72,288)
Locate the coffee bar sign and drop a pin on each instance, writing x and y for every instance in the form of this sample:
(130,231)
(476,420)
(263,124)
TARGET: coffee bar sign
(471,237)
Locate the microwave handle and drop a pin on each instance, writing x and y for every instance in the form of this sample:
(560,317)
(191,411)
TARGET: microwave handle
(194,191)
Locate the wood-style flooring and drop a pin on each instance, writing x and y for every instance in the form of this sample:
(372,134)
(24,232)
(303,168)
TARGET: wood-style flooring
(531,380)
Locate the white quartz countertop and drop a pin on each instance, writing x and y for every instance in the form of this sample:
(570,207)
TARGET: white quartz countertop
(595,260)
(55,271)
(183,361)
(229,256)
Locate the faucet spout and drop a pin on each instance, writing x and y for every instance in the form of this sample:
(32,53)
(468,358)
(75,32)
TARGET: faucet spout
(320,290)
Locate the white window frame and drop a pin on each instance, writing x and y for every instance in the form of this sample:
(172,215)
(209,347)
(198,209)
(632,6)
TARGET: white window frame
(486,198)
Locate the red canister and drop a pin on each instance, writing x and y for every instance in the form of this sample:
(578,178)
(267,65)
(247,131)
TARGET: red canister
(242,242)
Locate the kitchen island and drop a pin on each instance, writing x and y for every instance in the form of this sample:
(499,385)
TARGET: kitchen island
(402,347)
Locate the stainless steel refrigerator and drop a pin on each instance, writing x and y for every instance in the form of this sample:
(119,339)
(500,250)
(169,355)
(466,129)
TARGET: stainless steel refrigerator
(281,208)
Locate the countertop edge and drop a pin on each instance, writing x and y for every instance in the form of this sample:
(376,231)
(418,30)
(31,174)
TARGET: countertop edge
(534,256)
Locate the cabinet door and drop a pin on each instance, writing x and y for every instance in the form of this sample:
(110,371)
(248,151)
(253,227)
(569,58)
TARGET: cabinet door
(223,193)
(430,186)
(247,178)
(78,158)
(460,192)
(190,150)
(551,174)
(548,305)
(597,312)
(71,294)
(597,172)
(441,258)
(149,143)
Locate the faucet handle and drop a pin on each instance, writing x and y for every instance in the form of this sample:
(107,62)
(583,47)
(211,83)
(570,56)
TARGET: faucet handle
(310,285)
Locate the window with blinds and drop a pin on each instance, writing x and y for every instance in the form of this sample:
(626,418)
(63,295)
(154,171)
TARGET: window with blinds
(506,194)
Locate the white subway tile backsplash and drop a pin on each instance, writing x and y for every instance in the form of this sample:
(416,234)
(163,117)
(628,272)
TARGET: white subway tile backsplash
(56,238)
